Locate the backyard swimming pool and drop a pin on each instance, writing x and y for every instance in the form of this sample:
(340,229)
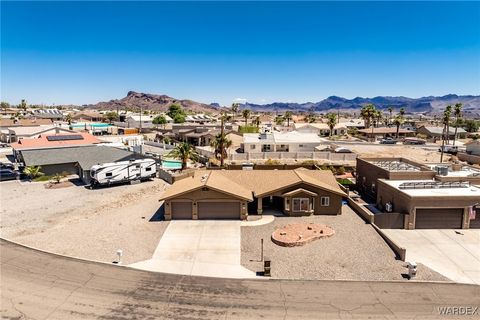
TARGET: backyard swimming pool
(171,164)
(92,125)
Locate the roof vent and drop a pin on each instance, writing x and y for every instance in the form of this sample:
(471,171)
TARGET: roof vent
(204,178)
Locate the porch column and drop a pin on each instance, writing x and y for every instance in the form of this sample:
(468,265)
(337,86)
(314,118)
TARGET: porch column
(259,206)
(466,218)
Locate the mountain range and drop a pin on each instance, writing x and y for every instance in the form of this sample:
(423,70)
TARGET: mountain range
(427,105)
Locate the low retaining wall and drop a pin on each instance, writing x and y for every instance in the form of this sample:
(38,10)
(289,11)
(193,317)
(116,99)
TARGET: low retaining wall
(361,210)
(293,156)
(401,252)
(172,177)
(470,158)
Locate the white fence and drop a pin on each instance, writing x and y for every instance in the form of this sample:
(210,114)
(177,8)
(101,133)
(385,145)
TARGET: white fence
(293,156)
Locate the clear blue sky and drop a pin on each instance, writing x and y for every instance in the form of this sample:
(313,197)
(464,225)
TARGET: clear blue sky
(74,52)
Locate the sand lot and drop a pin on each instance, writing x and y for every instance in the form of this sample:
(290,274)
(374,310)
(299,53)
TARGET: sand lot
(80,222)
(355,252)
(415,153)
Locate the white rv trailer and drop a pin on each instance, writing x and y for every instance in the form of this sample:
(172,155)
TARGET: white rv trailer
(122,171)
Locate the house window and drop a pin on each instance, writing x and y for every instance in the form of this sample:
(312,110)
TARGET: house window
(287,203)
(300,145)
(301,204)
(148,169)
(252,147)
(108,174)
(325,201)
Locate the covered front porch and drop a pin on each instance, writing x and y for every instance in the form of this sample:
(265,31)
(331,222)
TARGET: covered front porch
(298,202)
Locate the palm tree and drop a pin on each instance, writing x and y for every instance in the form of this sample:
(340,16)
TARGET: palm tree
(331,122)
(446,120)
(398,121)
(390,111)
(402,111)
(23,105)
(235,107)
(184,151)
(368,113)
(68,118)
(246,114)
(288,117)
(257,121)
(458,115)
(33,171)
(221,144)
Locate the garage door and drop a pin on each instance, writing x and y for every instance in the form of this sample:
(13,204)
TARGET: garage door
(439,218)
(475,223)
(219,210)
(181,210)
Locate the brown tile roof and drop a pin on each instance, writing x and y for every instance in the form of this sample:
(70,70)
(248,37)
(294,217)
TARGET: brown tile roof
(242,183)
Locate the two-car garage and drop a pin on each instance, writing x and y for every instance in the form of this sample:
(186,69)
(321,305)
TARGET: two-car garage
(181,210)
(439,218)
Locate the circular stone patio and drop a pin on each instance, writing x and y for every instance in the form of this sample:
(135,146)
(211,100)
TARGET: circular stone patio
(299,234)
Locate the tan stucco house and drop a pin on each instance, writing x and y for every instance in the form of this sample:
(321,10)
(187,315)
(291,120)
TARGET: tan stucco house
(235,194)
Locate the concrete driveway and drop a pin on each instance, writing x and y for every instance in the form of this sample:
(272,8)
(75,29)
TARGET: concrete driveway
(455,255)
(201,248)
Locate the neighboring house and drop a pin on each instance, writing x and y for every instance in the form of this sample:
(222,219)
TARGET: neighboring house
(437,132)
(24,122)
(53,114)
(144,121)
(88,115)
(413,195)
(382,132)
(321,128)
(14,134)
(473,147)
(293,141)
(74,160)
(48,141)
(235,194)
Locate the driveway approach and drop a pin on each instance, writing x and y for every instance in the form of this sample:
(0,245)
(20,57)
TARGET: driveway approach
(453,253)
(37,285)
(201,248)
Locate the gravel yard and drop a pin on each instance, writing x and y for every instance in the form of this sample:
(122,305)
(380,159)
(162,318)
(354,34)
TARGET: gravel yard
(416,153)
(355,252)
(84,223)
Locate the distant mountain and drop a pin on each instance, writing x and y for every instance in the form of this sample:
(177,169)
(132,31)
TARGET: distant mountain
(427,105)
(153,102)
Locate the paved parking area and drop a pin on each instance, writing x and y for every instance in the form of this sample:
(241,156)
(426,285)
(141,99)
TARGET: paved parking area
(202,248)
(453,253)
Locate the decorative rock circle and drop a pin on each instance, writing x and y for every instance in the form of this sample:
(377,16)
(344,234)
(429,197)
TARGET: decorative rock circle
(299,234)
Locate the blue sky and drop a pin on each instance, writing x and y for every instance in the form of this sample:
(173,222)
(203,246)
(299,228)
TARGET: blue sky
(85,52)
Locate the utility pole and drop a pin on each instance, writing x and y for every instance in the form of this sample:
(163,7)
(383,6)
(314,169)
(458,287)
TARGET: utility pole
(222,118)
(140,128)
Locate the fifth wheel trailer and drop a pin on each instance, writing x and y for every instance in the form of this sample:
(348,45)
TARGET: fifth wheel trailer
(122,171)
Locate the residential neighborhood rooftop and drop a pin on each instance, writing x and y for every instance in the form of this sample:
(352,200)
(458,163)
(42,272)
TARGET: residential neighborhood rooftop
(282,137)
(46,141)
(432,188)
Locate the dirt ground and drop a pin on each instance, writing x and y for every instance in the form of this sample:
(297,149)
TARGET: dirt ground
(415,153)
(84,223)
(355,252)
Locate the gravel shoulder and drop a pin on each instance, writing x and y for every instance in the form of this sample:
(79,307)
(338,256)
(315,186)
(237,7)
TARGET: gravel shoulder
(84,223)
(355,252)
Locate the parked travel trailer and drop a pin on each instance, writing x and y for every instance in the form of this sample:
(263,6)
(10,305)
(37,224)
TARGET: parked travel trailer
(122,171)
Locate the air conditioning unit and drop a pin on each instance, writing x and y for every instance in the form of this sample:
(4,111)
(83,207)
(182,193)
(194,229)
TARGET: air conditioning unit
(389,207)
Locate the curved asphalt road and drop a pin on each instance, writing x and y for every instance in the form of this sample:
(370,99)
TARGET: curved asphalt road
(38,285)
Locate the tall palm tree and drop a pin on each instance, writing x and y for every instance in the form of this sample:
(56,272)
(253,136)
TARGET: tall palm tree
(458,115)
(184,151)
(235,107)
(331,122)
(398,121)
(446,120)
(257,121)
(390,111)
(23,105)
(221,144)
(402,111)
(368,113)
(246,114)
(288,116)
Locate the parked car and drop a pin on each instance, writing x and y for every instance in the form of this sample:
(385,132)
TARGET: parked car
(413,141)
(449,149)
(343,150)
(8,174)
(388,141)
(7,165)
